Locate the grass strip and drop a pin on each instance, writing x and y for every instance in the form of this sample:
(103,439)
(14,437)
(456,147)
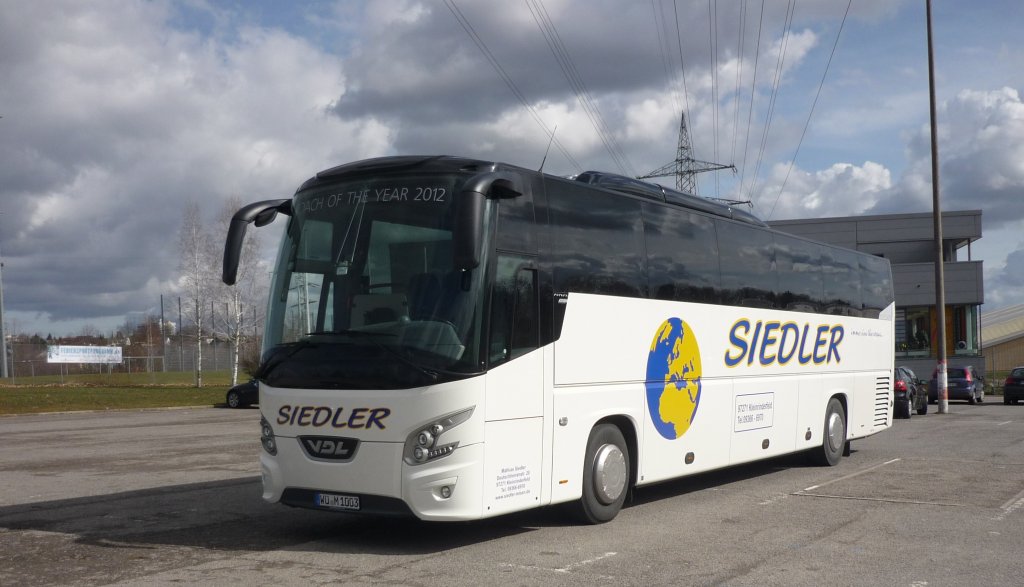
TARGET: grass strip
(27,399)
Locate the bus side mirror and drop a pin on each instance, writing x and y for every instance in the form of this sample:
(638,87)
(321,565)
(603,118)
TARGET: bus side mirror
(468,239)
(262,213)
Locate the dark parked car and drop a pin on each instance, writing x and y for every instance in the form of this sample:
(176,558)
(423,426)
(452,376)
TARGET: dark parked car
(243,395)
(908,394)
(1013,387)
(963,383)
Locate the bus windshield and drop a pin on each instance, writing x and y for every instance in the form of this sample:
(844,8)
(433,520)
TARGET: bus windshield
(365,294)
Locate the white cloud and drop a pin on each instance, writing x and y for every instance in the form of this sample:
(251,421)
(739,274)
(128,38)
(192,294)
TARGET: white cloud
(123,120)
(116,114)
(843,189)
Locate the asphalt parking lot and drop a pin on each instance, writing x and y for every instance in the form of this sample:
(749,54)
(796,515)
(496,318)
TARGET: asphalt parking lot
(172,496)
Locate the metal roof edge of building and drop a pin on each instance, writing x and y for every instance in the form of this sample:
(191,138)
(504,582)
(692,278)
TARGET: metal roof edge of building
(1000,315)
(862,217)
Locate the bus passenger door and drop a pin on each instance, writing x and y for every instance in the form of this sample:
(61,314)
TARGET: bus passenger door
(514,397)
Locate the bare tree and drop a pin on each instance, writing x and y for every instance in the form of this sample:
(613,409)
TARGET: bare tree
(197,274)
(241,299)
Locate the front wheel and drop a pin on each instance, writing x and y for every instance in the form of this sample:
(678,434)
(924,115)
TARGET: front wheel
(834,440)
(234,400)
(606,472)
(923,409)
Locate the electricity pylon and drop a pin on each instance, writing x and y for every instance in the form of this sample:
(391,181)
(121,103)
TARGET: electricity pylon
(685,168)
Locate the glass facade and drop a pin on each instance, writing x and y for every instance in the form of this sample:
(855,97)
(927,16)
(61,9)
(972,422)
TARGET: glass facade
(917,330)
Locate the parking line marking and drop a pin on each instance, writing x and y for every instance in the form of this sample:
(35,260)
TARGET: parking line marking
(1013,500)
(1005,423)
(566,569)
(1011,506)
(850,476)
(880,499)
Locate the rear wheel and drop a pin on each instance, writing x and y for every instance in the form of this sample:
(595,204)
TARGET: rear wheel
(834,441)
(923,409)
(1007,400)
(606,473)
(234,400)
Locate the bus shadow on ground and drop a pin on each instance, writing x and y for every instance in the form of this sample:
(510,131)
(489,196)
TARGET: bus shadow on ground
(230,515)
(720,477)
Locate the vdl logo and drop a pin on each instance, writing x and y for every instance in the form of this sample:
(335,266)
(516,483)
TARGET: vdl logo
(673,378)
(329,448)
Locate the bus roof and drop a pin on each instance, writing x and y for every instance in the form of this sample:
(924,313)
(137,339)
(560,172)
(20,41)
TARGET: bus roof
(609,181)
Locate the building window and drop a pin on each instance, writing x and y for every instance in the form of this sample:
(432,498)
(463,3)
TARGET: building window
(916,330)
(964,327)
(913,332)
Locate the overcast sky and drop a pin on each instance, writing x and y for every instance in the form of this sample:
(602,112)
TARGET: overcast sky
(117,113)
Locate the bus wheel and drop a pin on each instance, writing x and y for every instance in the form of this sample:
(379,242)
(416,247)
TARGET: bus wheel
(605,475)
(834,440)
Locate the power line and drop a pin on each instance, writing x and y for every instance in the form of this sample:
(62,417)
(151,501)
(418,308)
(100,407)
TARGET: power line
(479,42)
(713,55)
(664,47)
(776,82)
(750,112)
(572,75)
(813,104)
(682,65)
(739,77)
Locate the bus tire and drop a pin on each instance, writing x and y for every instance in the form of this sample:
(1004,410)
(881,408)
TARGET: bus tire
(833,442)
(606,473)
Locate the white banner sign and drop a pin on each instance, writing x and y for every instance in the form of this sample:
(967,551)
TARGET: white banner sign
(83,354)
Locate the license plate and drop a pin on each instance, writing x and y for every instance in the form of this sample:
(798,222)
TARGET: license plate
(338,502)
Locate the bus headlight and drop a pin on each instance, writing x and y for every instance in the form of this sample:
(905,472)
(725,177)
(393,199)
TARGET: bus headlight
(426,443)
(267,437)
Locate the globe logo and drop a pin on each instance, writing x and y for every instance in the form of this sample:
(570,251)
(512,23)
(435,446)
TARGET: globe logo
(673,378)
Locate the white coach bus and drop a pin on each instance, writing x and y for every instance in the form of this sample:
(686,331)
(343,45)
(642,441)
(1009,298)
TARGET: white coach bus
(459,339)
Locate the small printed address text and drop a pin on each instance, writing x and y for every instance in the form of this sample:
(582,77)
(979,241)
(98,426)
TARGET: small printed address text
(754,411)
(513,482)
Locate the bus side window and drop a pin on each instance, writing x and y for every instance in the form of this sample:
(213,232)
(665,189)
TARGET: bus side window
(514,318)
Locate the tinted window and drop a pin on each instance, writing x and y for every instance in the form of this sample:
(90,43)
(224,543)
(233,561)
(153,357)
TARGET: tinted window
(682,255)
(516,224)
(747,260)
(514,323)
(597,241)
(841,271)
(876,285)
(800,281)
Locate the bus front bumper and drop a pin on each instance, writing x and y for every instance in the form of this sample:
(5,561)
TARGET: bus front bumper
(378,479)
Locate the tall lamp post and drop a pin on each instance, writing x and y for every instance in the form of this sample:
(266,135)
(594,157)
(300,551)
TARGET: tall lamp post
(3,333)
(941,380)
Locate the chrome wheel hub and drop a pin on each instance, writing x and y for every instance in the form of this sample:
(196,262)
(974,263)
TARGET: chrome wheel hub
(836,431)
(610,473)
